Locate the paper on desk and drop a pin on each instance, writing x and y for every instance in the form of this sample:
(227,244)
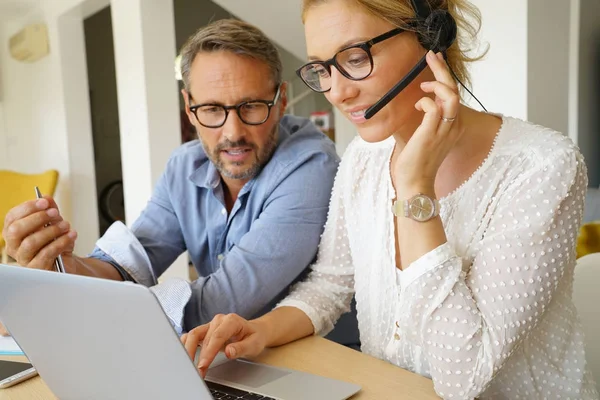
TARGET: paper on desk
(8,347)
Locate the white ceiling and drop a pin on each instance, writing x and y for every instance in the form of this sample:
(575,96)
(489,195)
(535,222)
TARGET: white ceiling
(11,9)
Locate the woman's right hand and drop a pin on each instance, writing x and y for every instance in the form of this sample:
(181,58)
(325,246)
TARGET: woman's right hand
(231,333)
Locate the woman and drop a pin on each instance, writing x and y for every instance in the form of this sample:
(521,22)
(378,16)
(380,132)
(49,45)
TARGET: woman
(476,295)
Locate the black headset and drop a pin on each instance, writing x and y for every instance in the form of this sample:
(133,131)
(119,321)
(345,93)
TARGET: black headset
(436,30)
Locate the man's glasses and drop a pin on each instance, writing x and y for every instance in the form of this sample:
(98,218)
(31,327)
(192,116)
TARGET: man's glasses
(253,112)
(354,62)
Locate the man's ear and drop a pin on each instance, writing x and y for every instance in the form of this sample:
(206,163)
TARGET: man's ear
(186,99)
(283,99)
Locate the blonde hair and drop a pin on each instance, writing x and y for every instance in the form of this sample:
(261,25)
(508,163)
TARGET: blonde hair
(235,36)
(399,12)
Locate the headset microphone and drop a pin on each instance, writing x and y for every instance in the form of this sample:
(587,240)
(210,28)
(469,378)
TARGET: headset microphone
(437,33)
(408,78)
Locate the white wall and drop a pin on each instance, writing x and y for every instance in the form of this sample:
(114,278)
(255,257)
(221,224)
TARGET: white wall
(500,79)
(548,63)
(26,89)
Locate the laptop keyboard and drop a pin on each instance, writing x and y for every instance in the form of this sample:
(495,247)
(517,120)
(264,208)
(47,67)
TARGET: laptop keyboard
(221,392)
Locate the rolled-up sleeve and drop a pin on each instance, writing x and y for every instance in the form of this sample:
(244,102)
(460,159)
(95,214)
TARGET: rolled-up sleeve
(119,247)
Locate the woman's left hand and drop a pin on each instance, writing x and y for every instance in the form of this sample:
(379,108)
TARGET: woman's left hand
(419,161)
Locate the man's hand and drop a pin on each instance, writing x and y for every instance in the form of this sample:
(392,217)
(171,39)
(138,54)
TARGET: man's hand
(36,235)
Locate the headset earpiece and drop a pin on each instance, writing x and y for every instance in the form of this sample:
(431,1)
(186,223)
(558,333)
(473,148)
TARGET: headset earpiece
(438,31)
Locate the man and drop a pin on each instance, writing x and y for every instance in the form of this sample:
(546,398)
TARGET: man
(248,201)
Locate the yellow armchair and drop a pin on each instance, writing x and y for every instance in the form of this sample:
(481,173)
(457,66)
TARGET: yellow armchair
(588,240)
(16,188)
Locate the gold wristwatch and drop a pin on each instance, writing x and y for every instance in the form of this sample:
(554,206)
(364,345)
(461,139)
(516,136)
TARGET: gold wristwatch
(420,208)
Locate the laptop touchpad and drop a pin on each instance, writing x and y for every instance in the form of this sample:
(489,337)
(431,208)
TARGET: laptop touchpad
(246,373)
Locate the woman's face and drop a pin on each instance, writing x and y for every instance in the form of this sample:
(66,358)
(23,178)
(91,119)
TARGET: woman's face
(336,24)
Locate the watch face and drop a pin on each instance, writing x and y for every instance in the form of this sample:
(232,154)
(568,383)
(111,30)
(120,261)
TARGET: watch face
(421,208)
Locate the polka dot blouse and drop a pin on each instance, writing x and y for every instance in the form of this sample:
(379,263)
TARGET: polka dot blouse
(489,313)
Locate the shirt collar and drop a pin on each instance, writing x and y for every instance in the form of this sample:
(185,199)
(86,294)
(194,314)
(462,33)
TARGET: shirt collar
(206,175)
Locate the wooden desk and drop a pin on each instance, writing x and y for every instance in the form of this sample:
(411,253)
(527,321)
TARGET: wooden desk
(379,379)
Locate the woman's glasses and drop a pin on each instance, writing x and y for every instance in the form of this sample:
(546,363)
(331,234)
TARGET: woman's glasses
(354,62)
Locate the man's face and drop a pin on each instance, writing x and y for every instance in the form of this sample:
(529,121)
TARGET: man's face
(238,150)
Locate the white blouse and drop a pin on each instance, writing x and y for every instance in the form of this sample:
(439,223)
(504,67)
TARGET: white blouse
(489,313)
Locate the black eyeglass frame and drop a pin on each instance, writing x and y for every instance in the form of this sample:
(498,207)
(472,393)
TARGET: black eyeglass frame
(237,107)
(365,46)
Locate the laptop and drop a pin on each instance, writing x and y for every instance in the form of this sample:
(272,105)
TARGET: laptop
(99,339)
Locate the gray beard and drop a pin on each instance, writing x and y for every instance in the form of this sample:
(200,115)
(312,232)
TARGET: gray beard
(262,158)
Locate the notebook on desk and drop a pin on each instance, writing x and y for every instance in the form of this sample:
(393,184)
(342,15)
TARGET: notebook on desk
(8,347)
(98,339)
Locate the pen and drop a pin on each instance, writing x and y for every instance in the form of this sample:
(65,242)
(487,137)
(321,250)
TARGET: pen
(58,263)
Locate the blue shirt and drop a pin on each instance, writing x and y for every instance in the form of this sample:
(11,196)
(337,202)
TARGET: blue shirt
(245,259)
